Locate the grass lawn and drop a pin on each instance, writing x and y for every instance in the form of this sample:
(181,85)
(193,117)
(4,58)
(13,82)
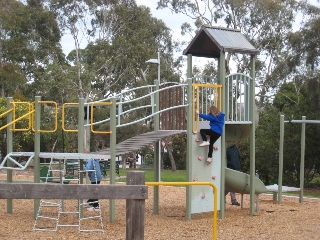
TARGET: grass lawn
(180,176)
(166,175)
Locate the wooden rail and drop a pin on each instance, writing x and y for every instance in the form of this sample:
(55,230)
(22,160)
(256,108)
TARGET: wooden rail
(136,192)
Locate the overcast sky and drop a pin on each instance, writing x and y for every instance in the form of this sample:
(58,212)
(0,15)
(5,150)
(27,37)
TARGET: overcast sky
(172,21)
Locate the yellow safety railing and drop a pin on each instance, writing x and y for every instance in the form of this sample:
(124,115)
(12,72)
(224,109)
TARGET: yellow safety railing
(195,107)
(29,118)
(215,198)
(5,113)
(67,130)
(91,118)
(56,115)
(16,120)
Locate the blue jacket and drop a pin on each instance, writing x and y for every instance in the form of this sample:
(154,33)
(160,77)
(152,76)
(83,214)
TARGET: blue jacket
(89,166)
(216,123)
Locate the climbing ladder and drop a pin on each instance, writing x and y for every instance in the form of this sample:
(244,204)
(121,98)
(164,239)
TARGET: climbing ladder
(52,213)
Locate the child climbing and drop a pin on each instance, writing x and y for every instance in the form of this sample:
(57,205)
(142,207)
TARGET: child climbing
(216,119)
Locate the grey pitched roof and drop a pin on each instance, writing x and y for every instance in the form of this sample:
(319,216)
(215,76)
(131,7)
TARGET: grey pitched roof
(209,41)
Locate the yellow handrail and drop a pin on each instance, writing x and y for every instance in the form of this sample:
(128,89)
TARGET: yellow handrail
(16,120)
(2,114)
(62,113)
(215,198)
(91,118)
(14,129)
(56,115)
(218,103)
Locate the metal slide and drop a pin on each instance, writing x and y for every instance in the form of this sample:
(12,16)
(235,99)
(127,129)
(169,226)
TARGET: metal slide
(236,181)
(239,182)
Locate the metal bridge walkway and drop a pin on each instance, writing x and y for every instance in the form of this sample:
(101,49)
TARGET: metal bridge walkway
(127,146)
(140,141)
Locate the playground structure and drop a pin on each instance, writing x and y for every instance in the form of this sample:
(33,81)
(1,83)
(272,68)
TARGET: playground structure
(280,187)
(233,94)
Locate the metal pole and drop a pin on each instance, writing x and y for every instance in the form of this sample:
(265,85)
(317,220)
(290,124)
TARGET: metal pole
(9,149)
(189,136)
(280,159)
(81,137)
(159,67)
(36,161)
(303,144)
(252,137)
(156,157)
(222,79)
(113,146)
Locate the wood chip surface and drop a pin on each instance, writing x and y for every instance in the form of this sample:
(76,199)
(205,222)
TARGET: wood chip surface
(289,220)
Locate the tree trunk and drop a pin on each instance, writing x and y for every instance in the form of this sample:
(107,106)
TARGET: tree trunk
(169,149)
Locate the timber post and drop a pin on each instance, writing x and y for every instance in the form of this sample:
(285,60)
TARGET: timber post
(135,208)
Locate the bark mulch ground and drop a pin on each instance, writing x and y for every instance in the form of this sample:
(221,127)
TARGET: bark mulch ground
(289,220)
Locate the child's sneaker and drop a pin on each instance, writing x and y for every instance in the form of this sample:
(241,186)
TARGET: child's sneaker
(209,160)
(205,143)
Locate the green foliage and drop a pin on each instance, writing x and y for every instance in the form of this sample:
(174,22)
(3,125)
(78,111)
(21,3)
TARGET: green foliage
(29,41)
(22,139)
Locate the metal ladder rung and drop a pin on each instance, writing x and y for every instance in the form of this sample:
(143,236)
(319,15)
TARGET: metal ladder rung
(69,212)
(50,218)
(96,230)
(55,170)
(68,225)
(52,203)
(49,205)
(45,229)
(92,217)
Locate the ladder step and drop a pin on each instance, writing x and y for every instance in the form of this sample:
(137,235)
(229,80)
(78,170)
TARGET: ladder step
(55,170)
(52,204)
(68,225)
(69,212)
(44,205)
(97,230)
(92,217)
(44,217)
(45,229)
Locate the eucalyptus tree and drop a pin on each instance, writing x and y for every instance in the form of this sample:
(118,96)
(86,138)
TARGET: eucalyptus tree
(266,24)
(29,40)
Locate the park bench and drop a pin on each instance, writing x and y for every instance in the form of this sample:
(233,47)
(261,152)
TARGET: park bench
(105,167)
(44,177)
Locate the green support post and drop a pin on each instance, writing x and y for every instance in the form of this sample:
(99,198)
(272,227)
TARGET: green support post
(222,80)
(81,133)
(189,137)
(252,136)
(81,144)
(36,159)
(9,149)
(280,159)
(113,145)
(303,145)
(156,156)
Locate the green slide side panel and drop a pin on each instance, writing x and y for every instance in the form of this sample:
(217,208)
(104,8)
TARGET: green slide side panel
(239,182)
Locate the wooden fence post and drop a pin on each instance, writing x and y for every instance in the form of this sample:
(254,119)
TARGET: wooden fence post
(135,208)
